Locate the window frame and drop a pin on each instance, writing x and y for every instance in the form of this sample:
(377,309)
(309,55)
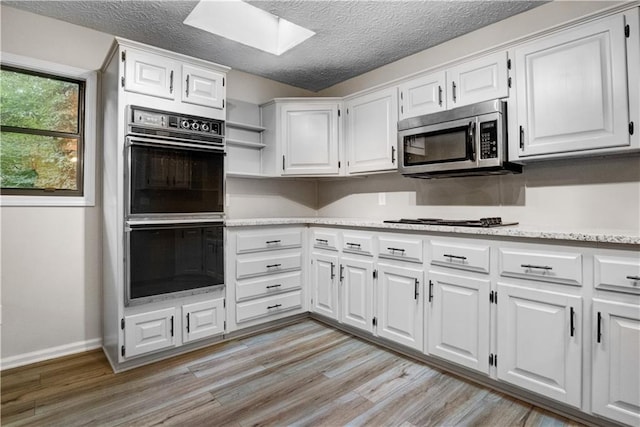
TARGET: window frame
(87,118)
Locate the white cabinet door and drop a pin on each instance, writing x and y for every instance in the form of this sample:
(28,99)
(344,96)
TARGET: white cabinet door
(478,80)
(616,361)
(539,345)
(324,271)
(400,306)
(372,131)
(149,74)
(202,319)
(309,139)
(147,332)
(572,90)
(459,319)
(423,95)
(357,293)
(202,87)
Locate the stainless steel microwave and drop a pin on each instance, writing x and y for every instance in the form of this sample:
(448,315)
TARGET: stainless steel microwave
(464,141)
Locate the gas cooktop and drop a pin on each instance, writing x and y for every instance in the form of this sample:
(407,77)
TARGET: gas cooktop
(482,222)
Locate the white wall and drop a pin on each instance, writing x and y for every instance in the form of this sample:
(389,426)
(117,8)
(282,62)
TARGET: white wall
(581,194)
(51,257)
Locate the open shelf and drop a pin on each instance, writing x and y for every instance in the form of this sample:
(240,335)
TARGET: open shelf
(241,143)
(245,126)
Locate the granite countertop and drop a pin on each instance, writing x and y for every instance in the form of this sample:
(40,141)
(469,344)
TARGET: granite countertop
(516,231)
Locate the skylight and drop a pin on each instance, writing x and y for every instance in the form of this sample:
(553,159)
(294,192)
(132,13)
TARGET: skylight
(247,24)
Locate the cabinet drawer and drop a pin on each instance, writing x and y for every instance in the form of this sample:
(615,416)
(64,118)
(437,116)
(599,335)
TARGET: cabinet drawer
(268,240)
(461,256)
(397,247)
(247,267)
(617,273)
(548,266)
(246,289)
(325,239)
(268,306)
(357,243)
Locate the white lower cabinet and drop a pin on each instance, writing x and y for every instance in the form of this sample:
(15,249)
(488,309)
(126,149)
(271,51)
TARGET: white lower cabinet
(324,283)
(400,308)
(148,332)
(539,344)
(356,293)
(202,319)
(458,321)
(616,361)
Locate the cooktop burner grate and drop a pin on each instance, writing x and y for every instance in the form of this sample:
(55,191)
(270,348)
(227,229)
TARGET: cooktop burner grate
(482,222)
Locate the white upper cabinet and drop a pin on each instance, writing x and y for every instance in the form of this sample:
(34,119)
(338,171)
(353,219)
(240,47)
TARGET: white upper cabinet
(478,80)
(203,87)
(572,91)
(149,74)
(301,137)
(423,95)
(372,131)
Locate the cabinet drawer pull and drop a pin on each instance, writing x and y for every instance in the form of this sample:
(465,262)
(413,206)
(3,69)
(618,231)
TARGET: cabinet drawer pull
(271,242)
(393,250)
(633,277)
(274,286)
(274,306)
(539,267)
(273,265)
(451,257)
(572,326)
(599,333)
(353,245)
(322,241)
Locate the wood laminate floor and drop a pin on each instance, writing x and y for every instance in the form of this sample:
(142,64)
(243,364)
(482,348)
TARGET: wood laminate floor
(303,374)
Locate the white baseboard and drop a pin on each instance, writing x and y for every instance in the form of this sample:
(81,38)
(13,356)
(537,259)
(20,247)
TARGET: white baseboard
(49,353)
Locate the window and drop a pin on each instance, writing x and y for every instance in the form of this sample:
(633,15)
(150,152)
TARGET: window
(47,133)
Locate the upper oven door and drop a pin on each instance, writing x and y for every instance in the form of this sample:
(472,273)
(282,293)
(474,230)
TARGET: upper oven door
(439,147)
(173,180)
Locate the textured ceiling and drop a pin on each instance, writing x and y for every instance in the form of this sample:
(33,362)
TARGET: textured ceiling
(352,37)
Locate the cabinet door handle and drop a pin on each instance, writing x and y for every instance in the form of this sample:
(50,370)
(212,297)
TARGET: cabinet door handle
(187,87)
(451,257)
(572,326)
(333,273)
(171,82)
(539,267)
(341,272)
(274,286)
(521,138)
(274,306)
(599,322)
(440,95)
(415,290)
(393,155)
(171,330)
(430,291)
(188,322)
(453,91)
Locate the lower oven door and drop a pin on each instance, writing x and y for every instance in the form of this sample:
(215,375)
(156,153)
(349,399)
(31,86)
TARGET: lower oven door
(169,260)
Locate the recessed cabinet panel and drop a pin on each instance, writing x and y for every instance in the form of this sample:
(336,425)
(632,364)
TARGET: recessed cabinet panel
(269,306)
(203,319)
(547,266)
(460,256)
(324,273)
(539,345)
(357,293)
(459,319)
(262,240)
(404,248)
(423,95)
(310,139)
(617,273)
(478,80)
(399,305)
(251,288)
(572,90)
(150,74)
(255,266)
(202,87)
(616,367)
(148,332)
(372,133)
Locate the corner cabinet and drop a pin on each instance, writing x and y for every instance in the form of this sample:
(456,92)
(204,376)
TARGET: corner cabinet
(302,137)
(372,131)
(575,90)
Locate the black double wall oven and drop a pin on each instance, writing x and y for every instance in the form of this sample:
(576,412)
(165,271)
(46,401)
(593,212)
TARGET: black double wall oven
(174,205)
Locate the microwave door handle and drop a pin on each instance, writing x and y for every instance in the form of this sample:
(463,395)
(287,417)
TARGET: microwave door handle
(471,141)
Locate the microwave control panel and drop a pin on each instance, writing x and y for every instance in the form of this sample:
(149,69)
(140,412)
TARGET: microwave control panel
(489,140)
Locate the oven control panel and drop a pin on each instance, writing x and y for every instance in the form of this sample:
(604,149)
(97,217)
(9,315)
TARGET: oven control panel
(164,120)
(489,140)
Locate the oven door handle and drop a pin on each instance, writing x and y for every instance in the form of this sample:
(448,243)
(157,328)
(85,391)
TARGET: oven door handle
(152,142)
(163,224)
